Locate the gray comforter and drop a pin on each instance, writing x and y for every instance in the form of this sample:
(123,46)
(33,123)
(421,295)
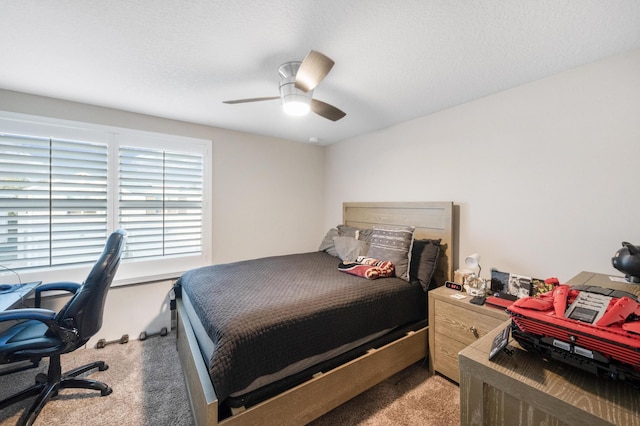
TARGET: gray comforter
(266,314)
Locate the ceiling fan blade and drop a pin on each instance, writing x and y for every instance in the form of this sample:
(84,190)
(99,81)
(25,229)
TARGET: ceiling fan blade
(313,69)
(327,111)
(244,101)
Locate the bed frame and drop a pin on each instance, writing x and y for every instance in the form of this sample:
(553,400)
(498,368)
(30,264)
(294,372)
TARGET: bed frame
(324,392)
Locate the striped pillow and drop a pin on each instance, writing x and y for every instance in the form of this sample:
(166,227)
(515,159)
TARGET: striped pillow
(393,243)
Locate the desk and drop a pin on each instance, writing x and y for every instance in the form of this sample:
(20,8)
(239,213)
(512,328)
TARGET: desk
(15,299)
(524,389)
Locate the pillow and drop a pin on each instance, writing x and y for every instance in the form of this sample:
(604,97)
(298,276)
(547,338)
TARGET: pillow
(363,234)
(424,260)
(328,245)
(347,231)
(368,268)
(327,242)
(393,244)
(435,242)
(349,248)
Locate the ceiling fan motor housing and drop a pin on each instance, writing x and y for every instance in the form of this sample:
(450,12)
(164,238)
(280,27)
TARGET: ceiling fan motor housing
(294,101)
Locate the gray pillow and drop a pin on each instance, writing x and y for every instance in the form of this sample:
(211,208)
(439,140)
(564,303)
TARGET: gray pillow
(424,261)
(347,231)
(393,243)
(349,248)
(363,234)
(327,242)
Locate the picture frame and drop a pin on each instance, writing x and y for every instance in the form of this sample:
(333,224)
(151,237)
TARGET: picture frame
(499,281)
(514,284)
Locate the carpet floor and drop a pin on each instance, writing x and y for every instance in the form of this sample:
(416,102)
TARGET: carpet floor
(148,389)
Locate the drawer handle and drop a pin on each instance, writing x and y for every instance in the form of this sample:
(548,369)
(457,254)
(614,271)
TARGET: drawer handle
(473,331)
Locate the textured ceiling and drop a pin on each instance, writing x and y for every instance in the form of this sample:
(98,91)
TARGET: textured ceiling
(395,60)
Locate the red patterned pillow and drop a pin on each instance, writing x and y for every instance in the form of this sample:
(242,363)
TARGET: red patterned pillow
(369,268)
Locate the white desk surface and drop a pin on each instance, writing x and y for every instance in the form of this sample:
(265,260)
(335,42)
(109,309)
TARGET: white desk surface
(15,298)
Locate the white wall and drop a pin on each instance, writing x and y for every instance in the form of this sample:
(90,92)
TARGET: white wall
(129,310)
(546,174)
(267,199)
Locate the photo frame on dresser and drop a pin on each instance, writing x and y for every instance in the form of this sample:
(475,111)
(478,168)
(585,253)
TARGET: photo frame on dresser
(499,281)
(513,284)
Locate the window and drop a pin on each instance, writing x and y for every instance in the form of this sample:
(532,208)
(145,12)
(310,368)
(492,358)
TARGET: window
(160,202)
(65,186)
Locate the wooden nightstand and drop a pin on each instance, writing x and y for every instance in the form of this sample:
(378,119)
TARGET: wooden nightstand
(455,323)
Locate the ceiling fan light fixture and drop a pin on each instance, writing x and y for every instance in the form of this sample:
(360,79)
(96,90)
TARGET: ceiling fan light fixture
(295,102)
(296,105)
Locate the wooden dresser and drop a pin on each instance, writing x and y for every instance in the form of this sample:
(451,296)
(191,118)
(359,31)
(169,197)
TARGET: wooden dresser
(523,389)
(454,323)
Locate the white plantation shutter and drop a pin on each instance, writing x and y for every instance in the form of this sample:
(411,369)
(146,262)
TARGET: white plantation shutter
(160,201)
(64,186)
(53,201)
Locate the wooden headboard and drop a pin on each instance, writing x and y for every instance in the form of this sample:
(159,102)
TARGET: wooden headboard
(431,219)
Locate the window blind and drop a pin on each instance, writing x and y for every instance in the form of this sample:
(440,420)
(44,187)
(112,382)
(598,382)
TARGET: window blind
(160,201)
(65,185)
(53,201)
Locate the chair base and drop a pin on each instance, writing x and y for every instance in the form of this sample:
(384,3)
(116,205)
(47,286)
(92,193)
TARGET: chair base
(48,385)
(25,366)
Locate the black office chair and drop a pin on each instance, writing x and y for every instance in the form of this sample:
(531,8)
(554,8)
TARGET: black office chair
(44,333)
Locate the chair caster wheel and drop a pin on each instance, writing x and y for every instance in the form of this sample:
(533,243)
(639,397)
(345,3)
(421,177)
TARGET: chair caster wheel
(106,391)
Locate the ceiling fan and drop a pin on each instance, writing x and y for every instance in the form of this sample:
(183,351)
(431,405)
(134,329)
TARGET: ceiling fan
(297,82)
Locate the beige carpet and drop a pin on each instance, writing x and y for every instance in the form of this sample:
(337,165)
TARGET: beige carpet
(148,389)
(410,398)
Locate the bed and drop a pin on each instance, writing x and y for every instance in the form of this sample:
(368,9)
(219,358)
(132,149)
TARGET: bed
(303,382)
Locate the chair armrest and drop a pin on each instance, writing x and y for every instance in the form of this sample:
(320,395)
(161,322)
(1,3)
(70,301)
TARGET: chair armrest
(68,286)
(44,315)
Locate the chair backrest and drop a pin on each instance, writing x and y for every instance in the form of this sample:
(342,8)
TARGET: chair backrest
(84,310)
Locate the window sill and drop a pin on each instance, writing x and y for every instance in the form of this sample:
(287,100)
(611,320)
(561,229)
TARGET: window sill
(146,279)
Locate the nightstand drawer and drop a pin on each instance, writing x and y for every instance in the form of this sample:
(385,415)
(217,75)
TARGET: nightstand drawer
(461,324)
(446,356)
